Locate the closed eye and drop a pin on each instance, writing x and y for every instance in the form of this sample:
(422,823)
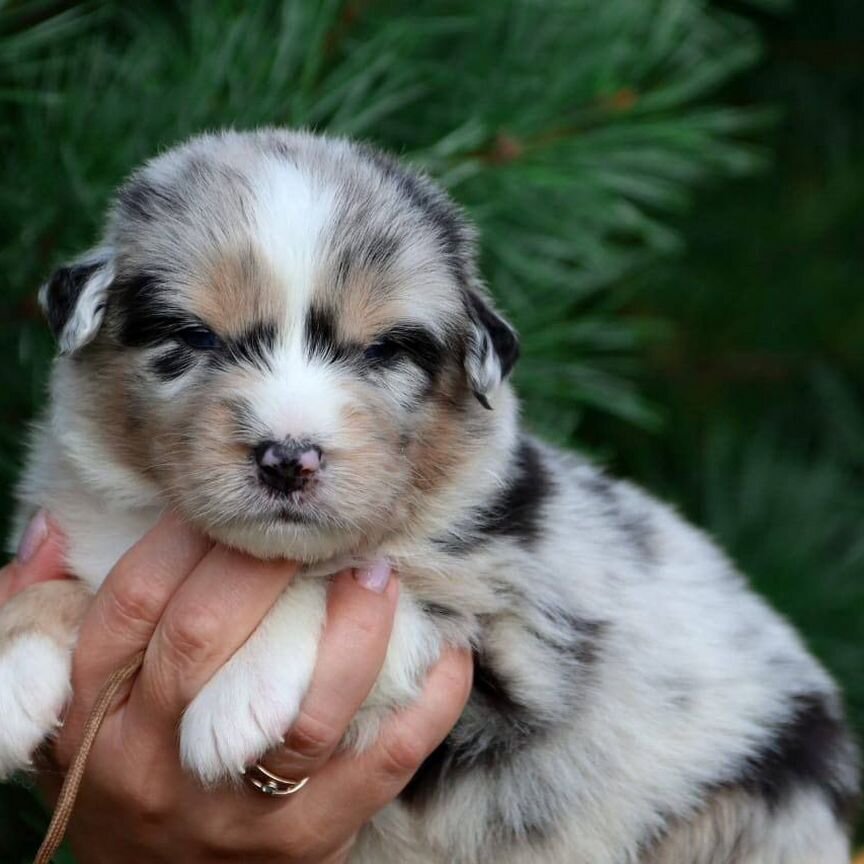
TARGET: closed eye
(385,350)
(406,341)
(199,338)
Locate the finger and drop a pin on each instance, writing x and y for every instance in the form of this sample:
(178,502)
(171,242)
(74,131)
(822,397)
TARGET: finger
(350,789)
(39,557)
(127,609)
(352,651)
(211,615)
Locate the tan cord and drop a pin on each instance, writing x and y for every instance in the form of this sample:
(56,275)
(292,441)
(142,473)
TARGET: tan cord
(69,790)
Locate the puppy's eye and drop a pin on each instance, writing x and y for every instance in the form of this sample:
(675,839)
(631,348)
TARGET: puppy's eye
(199,338)
(384,350)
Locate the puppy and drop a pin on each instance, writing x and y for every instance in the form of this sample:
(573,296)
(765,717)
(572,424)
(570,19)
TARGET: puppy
(285,338)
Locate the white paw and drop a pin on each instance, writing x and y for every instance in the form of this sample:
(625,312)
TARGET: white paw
(34,687)
(245,709)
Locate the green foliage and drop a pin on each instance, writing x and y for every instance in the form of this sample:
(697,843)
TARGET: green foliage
(577,134)
(568,129)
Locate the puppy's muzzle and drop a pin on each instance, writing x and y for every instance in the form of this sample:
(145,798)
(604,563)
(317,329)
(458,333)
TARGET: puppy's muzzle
(287,466)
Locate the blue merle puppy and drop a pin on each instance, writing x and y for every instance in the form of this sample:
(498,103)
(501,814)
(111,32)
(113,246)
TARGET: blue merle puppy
(285,338)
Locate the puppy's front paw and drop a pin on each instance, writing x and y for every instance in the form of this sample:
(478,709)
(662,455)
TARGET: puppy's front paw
(34,686)
(244,710)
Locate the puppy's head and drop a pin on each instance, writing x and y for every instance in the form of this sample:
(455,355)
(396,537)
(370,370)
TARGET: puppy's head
(286,336)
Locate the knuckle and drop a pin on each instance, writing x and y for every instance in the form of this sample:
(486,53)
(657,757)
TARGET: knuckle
(459,680)
(143,795)
(310,738)
(401,754)
(305,843)
(149,809)
(131,606)
(190,636)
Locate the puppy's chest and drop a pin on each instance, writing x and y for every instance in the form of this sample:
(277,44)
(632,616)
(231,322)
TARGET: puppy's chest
(98,538)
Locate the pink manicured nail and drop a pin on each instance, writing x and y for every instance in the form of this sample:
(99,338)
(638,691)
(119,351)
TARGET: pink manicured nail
(33,537)
(374,578)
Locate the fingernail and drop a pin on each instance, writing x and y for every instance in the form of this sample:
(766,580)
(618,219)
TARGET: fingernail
(33,537)
(374,578)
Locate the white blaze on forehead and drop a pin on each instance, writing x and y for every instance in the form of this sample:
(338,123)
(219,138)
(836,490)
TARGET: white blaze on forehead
(297,398)
(292,211)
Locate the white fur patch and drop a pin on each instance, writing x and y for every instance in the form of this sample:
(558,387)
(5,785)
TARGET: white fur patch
(34,687)
(291,213)
(299,399)
(251,702)
(484,367)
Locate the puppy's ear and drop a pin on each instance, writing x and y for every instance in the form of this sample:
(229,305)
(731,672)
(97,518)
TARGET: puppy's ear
(492,350)
(73,299)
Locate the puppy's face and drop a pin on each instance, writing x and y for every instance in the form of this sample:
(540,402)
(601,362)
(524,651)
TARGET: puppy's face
(283,333)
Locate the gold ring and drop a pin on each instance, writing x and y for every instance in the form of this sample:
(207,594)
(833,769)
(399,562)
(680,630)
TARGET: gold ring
(268,783)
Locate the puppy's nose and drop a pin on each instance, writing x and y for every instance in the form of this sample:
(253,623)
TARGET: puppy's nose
(286,466)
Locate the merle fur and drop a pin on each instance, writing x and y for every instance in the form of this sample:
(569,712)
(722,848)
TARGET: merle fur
(442,214)
(633,522)
(147,201)
(493,726)
(805,752)
(516,511)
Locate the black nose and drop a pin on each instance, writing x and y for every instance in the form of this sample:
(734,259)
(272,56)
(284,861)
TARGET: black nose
(287,466)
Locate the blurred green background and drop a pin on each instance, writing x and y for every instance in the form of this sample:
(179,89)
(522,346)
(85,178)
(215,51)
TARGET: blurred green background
(671,195)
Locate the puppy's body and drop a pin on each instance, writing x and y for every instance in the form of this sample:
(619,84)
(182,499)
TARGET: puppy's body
(633,701)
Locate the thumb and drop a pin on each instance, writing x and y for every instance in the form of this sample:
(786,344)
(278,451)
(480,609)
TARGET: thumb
(39,558)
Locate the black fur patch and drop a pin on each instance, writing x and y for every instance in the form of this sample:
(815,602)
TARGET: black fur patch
(516,511)
(503,338)
(173,363)
(145,318)
(438,610)
(493,692)
(810,749)
(573,638)
(62,293)
(253,346)
(493,726)
(418,344)
(321,337)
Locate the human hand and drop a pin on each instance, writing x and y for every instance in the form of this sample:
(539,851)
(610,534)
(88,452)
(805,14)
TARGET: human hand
(191,605)
(39,558)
